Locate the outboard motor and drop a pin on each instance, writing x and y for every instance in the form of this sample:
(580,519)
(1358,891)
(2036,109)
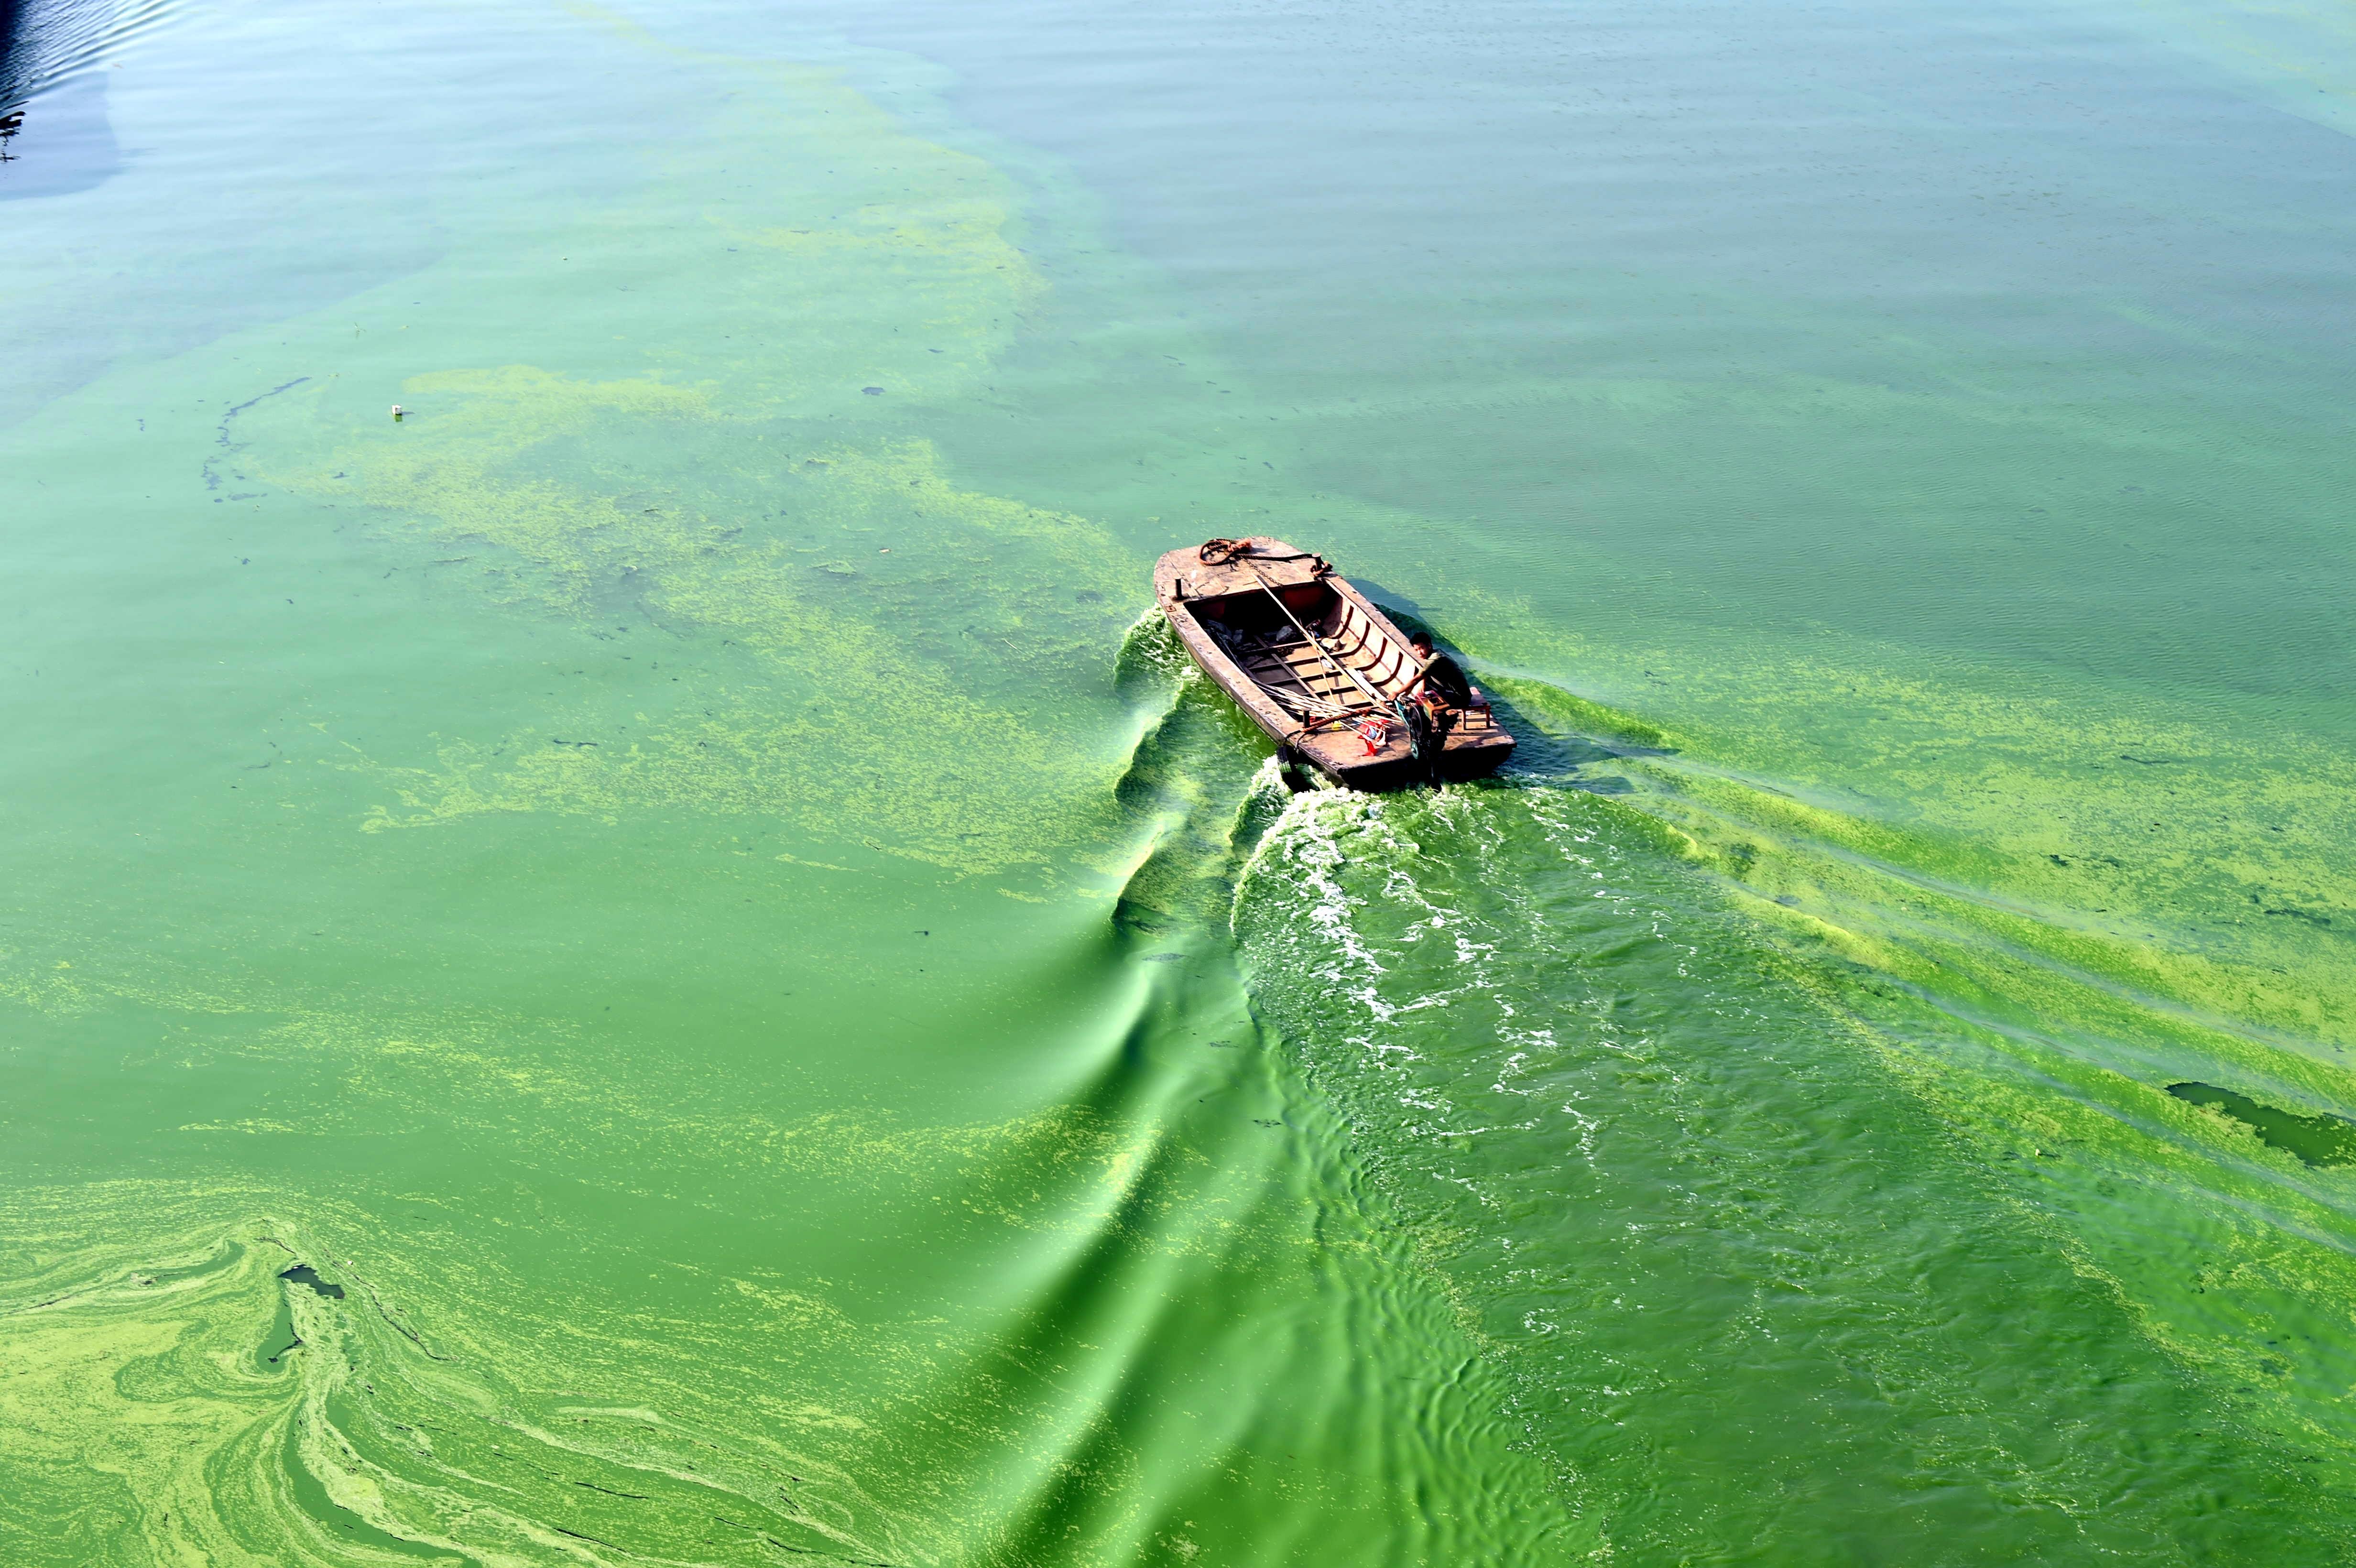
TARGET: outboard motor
(1427,736)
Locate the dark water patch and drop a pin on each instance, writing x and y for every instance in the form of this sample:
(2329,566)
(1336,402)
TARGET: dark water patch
(303,1273)
(280,1340)
(41,40)
(2319,1140)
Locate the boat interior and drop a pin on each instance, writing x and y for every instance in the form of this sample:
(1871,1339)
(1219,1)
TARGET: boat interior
(1317,656)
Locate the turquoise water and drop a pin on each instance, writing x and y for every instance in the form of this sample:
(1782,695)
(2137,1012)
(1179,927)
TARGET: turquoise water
(658,961)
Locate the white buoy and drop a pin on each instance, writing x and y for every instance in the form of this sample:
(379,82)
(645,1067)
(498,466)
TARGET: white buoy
(396,410)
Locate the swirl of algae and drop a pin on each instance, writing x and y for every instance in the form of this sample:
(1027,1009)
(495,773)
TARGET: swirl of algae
(237,1417)
(453,1398)
(247,1393)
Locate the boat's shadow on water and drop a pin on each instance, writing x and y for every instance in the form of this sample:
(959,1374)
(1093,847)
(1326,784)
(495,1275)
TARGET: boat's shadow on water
(1543,755)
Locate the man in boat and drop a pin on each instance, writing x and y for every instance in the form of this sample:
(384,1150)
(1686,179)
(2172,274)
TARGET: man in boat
(1444,684)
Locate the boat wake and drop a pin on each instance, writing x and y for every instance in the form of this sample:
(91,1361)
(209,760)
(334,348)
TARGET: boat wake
(1715,1172)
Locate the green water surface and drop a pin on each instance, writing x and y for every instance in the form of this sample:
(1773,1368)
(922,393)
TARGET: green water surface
(657,961)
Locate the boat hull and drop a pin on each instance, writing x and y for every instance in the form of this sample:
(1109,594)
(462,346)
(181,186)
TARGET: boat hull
(1305,654)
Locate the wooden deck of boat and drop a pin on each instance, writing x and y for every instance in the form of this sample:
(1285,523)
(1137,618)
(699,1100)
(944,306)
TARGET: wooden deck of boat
(1299,666)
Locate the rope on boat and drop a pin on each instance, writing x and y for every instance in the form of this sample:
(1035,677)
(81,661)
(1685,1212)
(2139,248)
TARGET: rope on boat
(1300,703)
(1219,552)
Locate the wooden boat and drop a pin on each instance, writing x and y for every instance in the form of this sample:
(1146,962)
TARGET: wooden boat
(1317,667)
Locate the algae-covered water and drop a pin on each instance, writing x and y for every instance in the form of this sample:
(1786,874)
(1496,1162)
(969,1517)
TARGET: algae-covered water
(656,962)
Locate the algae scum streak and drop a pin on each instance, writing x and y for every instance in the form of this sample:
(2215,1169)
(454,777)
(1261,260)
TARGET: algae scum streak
(685,954)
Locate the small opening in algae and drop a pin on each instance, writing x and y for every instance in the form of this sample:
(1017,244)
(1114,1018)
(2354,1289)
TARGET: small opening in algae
(303,1273)
(2318,1140)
